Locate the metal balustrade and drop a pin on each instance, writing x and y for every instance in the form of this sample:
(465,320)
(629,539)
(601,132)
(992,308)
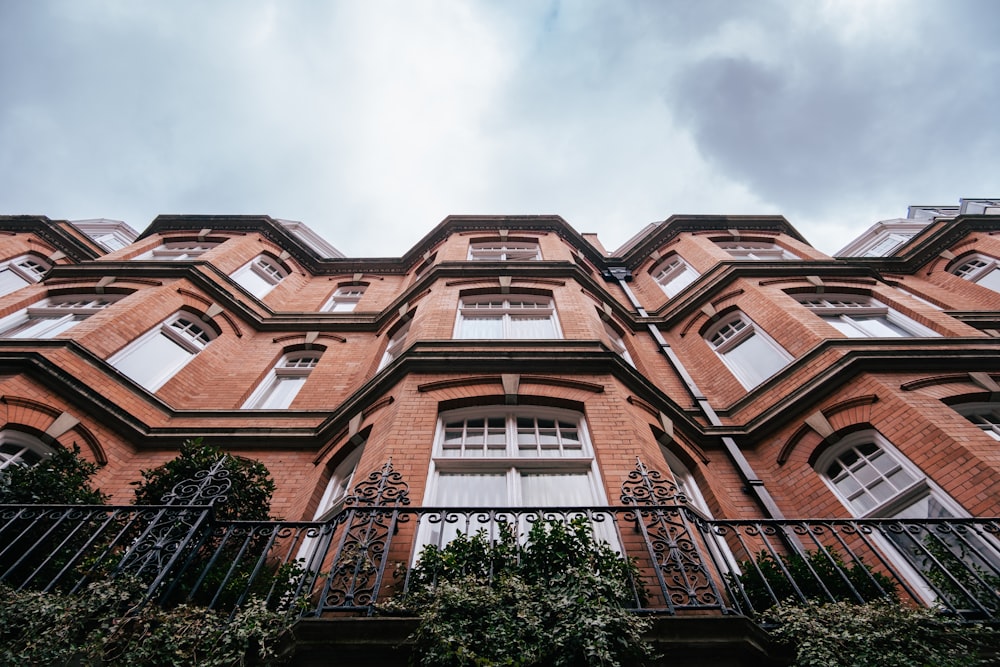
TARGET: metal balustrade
(356,561)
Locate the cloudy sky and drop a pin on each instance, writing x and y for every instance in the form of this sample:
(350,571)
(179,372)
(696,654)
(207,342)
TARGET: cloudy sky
(371,120)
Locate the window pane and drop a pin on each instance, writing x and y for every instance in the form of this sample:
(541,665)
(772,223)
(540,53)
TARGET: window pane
(10,281)
(756,359)
(280,394)
(532,327)
(554,490)
(880,327)
(252,282)
(481,327)
(991,280)
(156,359)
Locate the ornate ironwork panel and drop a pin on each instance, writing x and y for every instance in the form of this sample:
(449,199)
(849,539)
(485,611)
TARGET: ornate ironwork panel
(663,518)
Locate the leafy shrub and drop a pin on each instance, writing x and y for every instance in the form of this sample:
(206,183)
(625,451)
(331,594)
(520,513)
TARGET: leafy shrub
(559,599)
(818,575)
(60,479)
(103,626)
(883,633)
(248,499)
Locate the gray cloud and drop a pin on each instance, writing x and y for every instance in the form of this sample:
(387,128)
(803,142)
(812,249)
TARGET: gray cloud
(372,121)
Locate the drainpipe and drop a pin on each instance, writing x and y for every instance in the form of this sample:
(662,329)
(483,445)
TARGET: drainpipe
(622,275)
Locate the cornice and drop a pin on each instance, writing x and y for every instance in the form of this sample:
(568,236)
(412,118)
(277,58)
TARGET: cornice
(52,233)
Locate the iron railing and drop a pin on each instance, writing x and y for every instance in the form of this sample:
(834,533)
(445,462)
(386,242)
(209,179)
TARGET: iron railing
(357,560)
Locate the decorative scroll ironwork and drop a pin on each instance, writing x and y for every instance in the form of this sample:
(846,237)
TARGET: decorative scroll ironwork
(673,548)
(369,521)
(177,528)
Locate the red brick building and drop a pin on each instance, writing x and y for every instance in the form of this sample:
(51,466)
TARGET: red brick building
(512,361)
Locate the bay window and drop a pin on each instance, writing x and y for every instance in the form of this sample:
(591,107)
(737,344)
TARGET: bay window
(755,250)
(179,251)
(746,350)
(160,353)
(504,251)
(20,272)
(863,317)
(496,458)
(673,274)
(54,315)
(284,382)
(260,275)
(506,317)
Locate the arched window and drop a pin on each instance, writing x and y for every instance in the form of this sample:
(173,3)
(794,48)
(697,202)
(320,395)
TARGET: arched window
(749,353)
(395,345)
(858,316)
(20,272)
(511,457)
(673,274)
(981,269)
(50,317)
(284,381)
(506,316)
(984,415)
(260,275)
(760,251)
(344,299)
(160,353)
(504,251)
(617,344)
(179,251)
(339,485)
(21,449)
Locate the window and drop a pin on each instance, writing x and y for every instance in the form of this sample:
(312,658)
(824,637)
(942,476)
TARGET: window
(340,485)
(54,315)
(863,317)
(260,275)
(159,354)
(395,345)
(885,244)
(504,251)
(284,382)
(674,274)
(21,449)
(179,251)
(616,343)
(499,458)
(21,271)
(980,269)
(984,415)
(754,250)
(498,317)
(344,299)
(748,352)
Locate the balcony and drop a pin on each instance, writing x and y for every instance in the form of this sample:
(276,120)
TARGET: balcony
(690,568)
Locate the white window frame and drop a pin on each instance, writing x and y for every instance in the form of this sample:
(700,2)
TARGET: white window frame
(54,315)
(980,269)
(29,269)
(726,337)
(507,309)
(556,452)
(504,251)
(394,346)
(848,313)
(292,366)
(985,415)
(758,251)
(340,484)
(183,329)
(21,449)
(344,299)
(178,251)
(617,343)
(266,271)
(673,274)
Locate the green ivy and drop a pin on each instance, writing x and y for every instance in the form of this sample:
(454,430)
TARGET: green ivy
(818,575)
(559,599)
(104,626)
(883,633)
